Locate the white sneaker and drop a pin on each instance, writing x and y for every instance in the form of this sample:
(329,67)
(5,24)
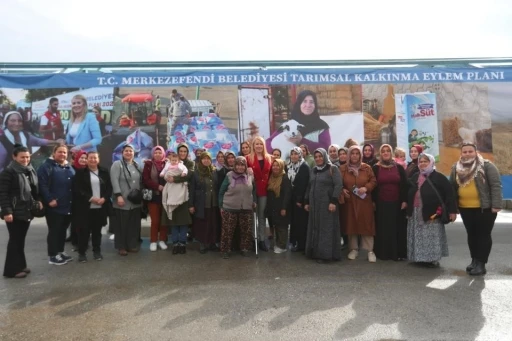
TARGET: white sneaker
(353,254)
(152,247)
(112,237)
(162,245)
(371,257)
(277,249)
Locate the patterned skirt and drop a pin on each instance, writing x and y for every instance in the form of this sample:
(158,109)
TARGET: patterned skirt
(426,241)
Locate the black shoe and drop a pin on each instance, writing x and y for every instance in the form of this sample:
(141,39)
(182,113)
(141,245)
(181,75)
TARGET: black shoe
(244,253)
(68,239)
(214,248)
(262,246)
(82,258)
(432,264)
(175,249)
(183,249)
(97,256)
(479,269)
(471,266)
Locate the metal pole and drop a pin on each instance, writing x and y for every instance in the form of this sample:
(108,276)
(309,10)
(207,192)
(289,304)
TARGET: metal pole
(198,89)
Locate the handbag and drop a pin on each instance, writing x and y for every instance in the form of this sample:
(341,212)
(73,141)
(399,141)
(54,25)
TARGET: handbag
(445,217)
(147,194)
(37,211)
(135,194)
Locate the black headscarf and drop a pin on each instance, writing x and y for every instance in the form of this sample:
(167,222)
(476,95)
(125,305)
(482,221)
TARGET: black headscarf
(311,122)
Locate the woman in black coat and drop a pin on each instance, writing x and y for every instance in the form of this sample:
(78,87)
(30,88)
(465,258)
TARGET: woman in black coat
(298,174)
(18,196)
(92,190)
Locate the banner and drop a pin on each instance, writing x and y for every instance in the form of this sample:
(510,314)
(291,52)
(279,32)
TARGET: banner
(253,77)
(303,107)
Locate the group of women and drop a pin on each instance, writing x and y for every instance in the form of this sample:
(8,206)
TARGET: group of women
(316,202)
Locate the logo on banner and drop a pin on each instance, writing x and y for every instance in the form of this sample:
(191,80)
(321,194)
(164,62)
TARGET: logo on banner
(423,110)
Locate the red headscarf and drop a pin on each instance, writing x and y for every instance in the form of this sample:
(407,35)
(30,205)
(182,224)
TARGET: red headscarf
(419,149)
(77,157)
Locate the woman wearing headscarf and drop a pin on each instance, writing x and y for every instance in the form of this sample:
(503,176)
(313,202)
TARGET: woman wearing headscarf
(426,235)
(203,203)
(358,213)
(369,155)
(79,162)
(125,176)
(315,131)
(237,200)
(477,185)
(228,166)
(412,167)
(298,173)
(343,155)
(325,185)
(18,195)
(278,204)
(219,160)
(13,133)
(390,197)
(181,218)
(152,181)
(333,154)
(306,155)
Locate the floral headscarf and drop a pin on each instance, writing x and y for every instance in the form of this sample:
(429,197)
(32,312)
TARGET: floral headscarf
(293,168)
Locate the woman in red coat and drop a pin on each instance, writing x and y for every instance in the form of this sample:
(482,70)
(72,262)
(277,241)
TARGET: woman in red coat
(260,161)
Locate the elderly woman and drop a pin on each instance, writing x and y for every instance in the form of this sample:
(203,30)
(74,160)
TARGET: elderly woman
(83,130)
(237,200)
(203,203)
(358,213)
(298,173)
(426,235)
(18,195)
(325,185)
(390,197)
(477,185)
(278,204)
(152,181)
(13,134)
(126,176)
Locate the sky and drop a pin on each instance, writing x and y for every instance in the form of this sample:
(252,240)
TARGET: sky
(152,30)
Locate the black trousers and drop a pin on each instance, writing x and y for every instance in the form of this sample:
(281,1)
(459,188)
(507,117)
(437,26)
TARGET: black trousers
(479,224)
(93,227)
(15,260)
(57,227)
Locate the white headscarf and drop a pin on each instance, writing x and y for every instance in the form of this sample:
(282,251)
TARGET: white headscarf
(293,168)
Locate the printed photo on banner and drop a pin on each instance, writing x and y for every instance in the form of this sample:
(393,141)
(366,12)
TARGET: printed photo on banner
(437,116)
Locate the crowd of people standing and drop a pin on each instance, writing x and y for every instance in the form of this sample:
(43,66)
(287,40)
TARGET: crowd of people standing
(318,203)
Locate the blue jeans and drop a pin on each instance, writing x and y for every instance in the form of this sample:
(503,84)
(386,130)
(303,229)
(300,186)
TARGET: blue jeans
(179,234)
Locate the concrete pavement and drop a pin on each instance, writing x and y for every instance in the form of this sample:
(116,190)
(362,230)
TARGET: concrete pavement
(158,296)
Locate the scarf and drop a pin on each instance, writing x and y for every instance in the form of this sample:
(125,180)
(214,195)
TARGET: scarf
(205,171)
(370,159)
(274,183)
(226,165)
(419,149)
(293,168)
(311,122)
(12,139)
(76,163)
(386,163)
(23,180)
(354,167)
(158,164)
(431,166)
(325,157)
(335,161)
(467,170)
(239,178)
